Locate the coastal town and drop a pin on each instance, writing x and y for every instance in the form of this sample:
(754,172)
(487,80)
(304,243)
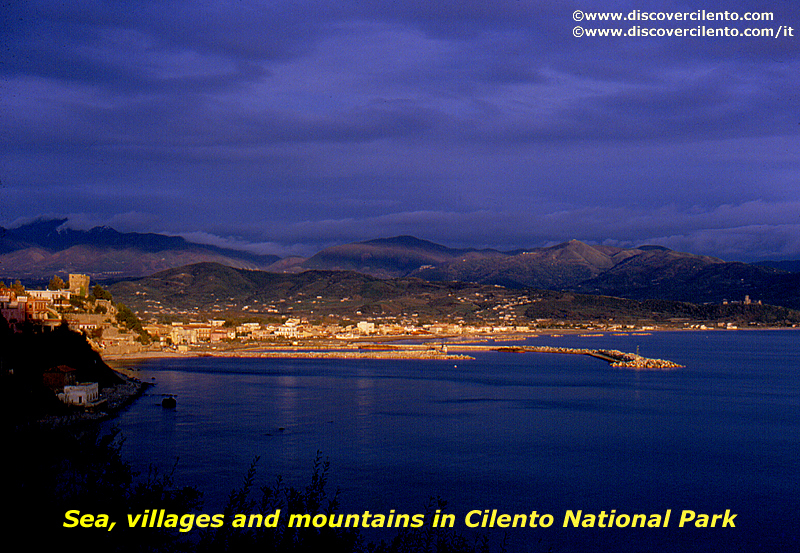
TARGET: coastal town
(116,333)
(113,329)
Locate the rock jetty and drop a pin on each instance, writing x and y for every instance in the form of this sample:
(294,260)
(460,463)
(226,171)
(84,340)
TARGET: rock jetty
(614,357)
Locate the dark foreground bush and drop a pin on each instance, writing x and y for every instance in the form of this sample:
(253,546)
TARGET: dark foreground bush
(314,500)
(52,471)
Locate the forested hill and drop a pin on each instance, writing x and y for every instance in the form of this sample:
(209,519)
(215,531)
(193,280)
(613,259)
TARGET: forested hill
(212,288)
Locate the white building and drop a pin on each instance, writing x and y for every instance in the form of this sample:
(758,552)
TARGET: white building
(53,296)
(183,335)
(286,331)
(82,394)
(365,327)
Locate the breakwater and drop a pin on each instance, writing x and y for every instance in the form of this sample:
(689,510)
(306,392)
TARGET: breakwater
(614,357)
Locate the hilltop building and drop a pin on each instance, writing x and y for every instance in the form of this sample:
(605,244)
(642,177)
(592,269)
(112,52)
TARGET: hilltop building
(79,285)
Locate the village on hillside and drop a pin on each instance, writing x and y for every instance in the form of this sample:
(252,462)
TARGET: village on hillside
(114,329)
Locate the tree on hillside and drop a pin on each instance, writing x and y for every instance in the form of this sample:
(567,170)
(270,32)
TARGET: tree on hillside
(101,293)
(127,317)
(56,283)
(18,288)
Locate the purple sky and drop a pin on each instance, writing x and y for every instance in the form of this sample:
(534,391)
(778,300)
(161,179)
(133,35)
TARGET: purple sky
(289,126)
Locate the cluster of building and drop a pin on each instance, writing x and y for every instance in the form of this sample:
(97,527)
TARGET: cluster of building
(19,306)
(50,308)
(747,301)
(183,335)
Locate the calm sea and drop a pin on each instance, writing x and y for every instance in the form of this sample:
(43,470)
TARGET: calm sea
(516,432)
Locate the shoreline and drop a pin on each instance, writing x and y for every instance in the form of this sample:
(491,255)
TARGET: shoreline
(117,398)
(387,349)
(443,348)
(380,348)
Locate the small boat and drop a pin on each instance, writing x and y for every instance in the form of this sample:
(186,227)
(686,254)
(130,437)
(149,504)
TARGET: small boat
(169,402)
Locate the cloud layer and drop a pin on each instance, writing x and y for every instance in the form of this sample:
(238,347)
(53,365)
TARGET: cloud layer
(300,124)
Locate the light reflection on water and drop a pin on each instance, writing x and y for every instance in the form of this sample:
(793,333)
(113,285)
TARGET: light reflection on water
(516,432)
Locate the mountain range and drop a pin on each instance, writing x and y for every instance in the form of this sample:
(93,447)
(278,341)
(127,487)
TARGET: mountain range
(40,249)
(646,272)
(45,247)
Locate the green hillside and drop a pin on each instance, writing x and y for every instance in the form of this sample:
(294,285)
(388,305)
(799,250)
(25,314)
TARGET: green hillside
(214,290)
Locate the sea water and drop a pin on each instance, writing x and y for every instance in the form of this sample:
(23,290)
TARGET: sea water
(512,432)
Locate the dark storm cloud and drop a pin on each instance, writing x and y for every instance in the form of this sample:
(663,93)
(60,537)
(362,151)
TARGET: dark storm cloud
(299,123)
(146,43)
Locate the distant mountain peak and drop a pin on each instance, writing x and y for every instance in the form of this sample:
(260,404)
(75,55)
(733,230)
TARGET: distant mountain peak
(47,246)
(383,257)
(569,243)
(39,227)
(404,240)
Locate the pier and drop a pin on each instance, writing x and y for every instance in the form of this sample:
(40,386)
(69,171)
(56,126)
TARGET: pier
(615,358)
